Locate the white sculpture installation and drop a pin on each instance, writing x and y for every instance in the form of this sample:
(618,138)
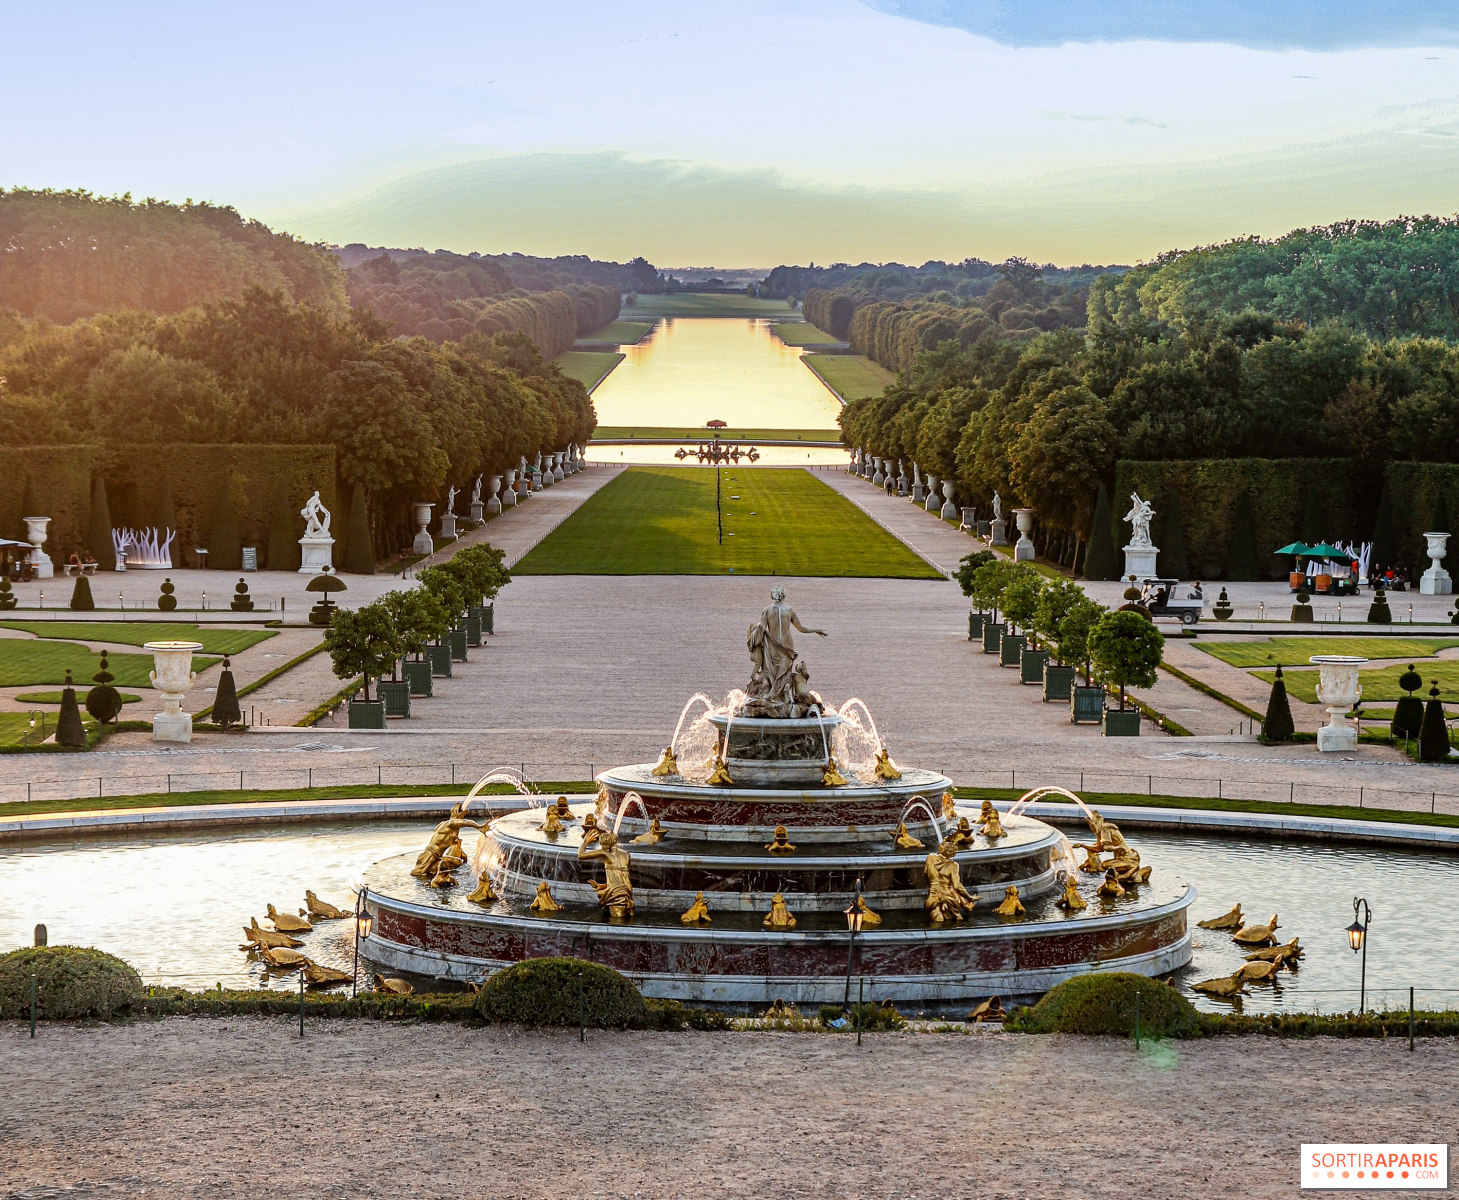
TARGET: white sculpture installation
(919,493)
(1435,581)
(998,530)
(524,480)
(172,675)
(143,549)
(1023,550)
(316,547)
(1141,553)
(448,518)
(35,533)
(1338,690)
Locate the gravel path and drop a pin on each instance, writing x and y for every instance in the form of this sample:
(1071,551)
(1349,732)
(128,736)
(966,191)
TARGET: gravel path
(244,1107)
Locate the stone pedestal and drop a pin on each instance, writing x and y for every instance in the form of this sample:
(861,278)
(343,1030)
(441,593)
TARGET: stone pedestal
(1338,690)
(448,525)
(316,554)
(998,531)
(949,509)
(423,543)
(932,504)
(172,675)
(509,495)
(35,533)
(557,466)
(1023,550)
(1435,581)
(476,512)
(1140,561)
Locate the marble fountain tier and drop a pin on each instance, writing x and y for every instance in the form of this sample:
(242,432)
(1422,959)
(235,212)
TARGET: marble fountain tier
(728,880)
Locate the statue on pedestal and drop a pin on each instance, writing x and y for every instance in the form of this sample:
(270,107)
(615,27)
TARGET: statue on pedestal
(316,547)
(998,529)
(778,683)
(1141,553)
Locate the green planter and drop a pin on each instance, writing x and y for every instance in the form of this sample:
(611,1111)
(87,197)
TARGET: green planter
(1058,682)
(395,693)
(367,714)
(440,659)
(418,677)
(1031,665)
(456,640)
(1086,704)
(992,636)
(1010,647)
(473,629)
(486,613)
(975,625)
(1302,612)
(1121,724)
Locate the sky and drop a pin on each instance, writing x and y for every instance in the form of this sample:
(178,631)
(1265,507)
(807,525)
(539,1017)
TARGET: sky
(750,134)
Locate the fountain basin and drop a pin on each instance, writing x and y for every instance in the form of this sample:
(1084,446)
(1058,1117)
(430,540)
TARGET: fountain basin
(765,751)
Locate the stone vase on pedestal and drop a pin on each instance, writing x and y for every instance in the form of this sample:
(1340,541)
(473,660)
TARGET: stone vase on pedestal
(494,502)
(557,466)
(509,495)
(1435,581)
(949,509)
(172,675)
(931,504)
(35,533)
(423,543)
(1338,690)
(880,476)
(1023,550)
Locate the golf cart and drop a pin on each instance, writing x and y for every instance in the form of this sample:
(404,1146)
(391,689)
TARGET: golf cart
(1164,598)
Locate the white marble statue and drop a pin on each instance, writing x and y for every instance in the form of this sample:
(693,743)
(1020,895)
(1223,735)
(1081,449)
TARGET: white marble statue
(997,507)
(312,512)
(773,690)
(476,491)
(1139,519)
(451,502)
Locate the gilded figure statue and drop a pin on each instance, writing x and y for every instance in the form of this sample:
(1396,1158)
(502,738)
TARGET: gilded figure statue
(258,937)
(963,833)
(867,916)
(1289,953)
(281,958)
(396,987)
(947,899)
(443,878)
(454,857)
(697,912)
(1261,971)
(600,805)
(1092,864)
(831,777)
(1071,900)
(319,910)
(990,825)
(1124,860)
(885,767)
(949,807)
(590,829)
(667,765)
(1257,935)
(1230,920)
(719,775)
(564,810)
(483,893)
(1225,987)
(652,836)
(616,894)
(445,836)
(1111,889)
(781,843)
(904,840)
(288,922)
(543,902)
(1011,906)
(323,977)
(779,917)
(551,822)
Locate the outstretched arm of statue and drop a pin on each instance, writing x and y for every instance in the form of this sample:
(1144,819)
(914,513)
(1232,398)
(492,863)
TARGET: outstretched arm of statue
(795,620)
(586,851)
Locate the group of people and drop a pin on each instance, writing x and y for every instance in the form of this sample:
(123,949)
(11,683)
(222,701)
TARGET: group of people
(1393,579)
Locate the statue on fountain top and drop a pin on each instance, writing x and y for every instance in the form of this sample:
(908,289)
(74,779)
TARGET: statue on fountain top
(312,512)
(778,684)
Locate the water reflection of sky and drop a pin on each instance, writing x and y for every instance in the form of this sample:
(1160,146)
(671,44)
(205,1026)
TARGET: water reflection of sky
(770,456)
(175,906)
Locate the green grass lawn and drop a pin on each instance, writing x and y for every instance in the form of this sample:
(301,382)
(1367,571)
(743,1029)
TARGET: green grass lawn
(850,376)
(588,367)
(135,633)
(803,333)
(705,304)
(661,521)
(55,698)
(1295,651)
(680,434)
(625,333)
(1378,685)
(26,664)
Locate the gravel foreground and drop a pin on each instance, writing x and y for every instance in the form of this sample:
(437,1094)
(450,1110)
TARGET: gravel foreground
(245,1107)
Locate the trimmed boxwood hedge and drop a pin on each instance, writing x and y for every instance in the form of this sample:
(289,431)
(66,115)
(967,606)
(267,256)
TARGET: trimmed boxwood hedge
(71,982)
(544,991)
(1104,1003)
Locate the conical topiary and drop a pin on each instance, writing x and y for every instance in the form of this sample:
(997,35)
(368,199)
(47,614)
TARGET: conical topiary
(1100,561)
(1242,565)
(81,600)
(1433,734)
(1302,609)
(283,537)
(242,601)
(225,705)
(1378,612)
(164,516)
(1408,714)
(7,597)
(1278,725)
(103,701)
(98,531)
(225,548)
(1385,542)
(359,554)
(166,602)
(69,730)
(1173,563)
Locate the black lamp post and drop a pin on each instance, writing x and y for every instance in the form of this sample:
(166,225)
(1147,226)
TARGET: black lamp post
(364,923)
(853,927)
(1358,940)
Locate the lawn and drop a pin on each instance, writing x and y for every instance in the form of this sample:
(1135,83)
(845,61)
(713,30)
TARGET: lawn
(1295,651)
(27,664)
(704,304)
(588,367)
(1378,685)
(625,333)
(55,698)
(680,434)
(803,333)
(850,376)
(135,633)
(661,521)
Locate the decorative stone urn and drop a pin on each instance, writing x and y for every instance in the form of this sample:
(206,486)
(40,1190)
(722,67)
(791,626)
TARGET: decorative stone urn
(509,482)
(1023,549)
(172,675)
(557,466)
(35,532)
(1435,581)
(423,543)
(949,509)
(932,486)
(880,477)
(1338,690)
(494,485)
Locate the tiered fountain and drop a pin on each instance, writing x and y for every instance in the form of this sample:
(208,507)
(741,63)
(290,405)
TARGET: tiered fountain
(724,873)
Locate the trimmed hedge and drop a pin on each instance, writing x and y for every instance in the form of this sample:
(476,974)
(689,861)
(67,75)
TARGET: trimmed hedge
(1414,490)
(71,982)
(1104,1003)
(544,991)
(58,483)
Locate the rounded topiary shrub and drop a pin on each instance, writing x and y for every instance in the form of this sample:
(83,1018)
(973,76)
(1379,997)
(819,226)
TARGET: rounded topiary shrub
(544,991)
(1105,1003)
(70,981)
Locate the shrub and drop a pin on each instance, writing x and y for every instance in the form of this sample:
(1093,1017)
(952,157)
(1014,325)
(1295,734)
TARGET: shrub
(1278,725)
(872,1018)
(166,602)
(1105,1003)
(283,538)
(69,729)
(1378,612)
(359,550)
(969,566)
(544,991)
(71,982)
(1408,713)
(1433,734)
(225,546)
(225,701)
(98,529)
(81,600)
(1242,564)
(1172,552)
(103,701)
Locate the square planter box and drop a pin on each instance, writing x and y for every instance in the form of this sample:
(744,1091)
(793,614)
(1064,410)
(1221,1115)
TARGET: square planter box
(1086,704)
(1121,724)
(440,659)
(1058,682)
(456,640)
(395,694)
(992,636)
(473,630)
(483,613)
(367,714)
(418,677)
(1031,665)
(975,625)
(1302,612)
(1010,647)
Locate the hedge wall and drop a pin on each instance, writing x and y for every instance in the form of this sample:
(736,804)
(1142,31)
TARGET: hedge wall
(1413,487)
(61,479)
(1279,488)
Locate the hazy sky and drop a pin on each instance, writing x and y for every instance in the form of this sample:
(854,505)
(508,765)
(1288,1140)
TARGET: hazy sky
(753,133)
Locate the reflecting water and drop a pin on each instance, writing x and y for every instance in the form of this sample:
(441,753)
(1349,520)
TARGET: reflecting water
(770,456)
(175,906)
(691,371)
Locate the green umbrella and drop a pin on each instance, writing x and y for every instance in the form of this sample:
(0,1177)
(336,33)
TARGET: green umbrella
(1294,548)
(1332,552)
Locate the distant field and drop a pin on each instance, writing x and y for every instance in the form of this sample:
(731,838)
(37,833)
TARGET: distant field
(702,304)
(1295,651)
(625,333)
(850,376)
(803,333)
(679,433)
(134,633)
(24,663)
(661,521)
(1380,684)
(588,367)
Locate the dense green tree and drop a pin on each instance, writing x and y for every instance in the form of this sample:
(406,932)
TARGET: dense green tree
(1125,649)
(359,555)
(283,535)
(98,529)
